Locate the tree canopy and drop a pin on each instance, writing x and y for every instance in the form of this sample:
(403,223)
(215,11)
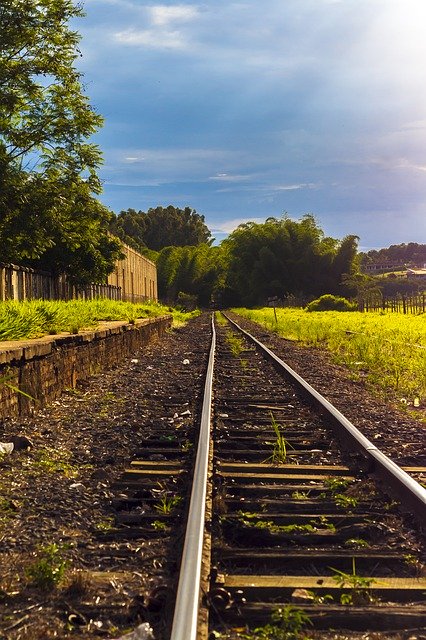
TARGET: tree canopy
(198,271)
(161,227)
(257,261)
(49,215)
(282,257)
(410,253)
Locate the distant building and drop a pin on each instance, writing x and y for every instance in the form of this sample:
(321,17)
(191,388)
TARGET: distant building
(416,273)
(382,266)
(136,275)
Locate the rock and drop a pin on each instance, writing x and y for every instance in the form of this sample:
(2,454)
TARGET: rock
(21,442)
(302,596)
(99,474)
(6,447)
(142,632)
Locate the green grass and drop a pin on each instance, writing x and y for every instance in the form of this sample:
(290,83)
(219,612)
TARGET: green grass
(386,349)
(36,318)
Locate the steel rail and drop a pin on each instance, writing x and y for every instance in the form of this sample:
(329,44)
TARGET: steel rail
(410,491)
(185,619)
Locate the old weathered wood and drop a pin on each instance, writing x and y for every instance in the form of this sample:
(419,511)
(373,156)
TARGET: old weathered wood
(398,588)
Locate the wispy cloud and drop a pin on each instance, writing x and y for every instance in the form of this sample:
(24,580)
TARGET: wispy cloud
(159,29)
(226,177)
(227,226)
(295,187)
(151,39)
(162,15)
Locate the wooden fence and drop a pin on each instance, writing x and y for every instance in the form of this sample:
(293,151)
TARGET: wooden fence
(23,283)
(401,303)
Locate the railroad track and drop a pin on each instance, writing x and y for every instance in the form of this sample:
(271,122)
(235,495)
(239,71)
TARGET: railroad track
(294,523)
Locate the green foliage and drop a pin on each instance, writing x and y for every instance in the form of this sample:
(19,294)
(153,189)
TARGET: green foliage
(337,484)
(106,524)
(49,216)
(280,444)
(410,253)
(251,520)
(167,504)
(282,257)
(49,568)
(329,302)
(161,227)
(55,461)
(220,319)
(235,343)
(286,623)
(359,586)
(186,301)
(159,525)
(386,350)
(32,319)
(198,271)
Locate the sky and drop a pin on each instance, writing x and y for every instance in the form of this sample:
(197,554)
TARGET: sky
(249,109)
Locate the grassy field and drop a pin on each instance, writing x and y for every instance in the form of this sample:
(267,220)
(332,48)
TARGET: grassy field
(36,318)
(389,350)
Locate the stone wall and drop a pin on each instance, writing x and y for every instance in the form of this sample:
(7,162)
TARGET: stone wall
(43,367)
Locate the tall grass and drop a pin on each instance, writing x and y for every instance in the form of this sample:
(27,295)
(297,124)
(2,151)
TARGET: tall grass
(36,318)
(388,350)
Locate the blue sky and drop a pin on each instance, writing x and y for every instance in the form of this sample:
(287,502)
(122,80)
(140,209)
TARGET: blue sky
(244,110)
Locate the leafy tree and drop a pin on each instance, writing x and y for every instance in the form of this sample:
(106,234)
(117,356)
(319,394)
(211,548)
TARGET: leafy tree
(129,226)
(197,271)
(44,116)
(411,253)
(161,227)
(49,216)
(282,257)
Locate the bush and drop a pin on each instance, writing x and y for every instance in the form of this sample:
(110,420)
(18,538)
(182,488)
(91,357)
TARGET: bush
(186,301)
(331,303)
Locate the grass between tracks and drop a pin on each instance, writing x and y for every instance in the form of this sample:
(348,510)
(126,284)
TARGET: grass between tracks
(36,318)
(388,350)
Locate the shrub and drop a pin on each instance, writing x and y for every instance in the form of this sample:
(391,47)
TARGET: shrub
(331,303)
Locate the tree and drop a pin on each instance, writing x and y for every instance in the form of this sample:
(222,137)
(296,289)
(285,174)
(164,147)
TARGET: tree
(282,257)
(161,227)
(43,113)
(49,216)
(197,271)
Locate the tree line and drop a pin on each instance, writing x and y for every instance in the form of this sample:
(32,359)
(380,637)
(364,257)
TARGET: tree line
(410,253)
(257,262)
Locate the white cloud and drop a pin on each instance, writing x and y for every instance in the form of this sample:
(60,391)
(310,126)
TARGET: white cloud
(225,177)
(227,226)
(295,187)
(151,39)
(162,15)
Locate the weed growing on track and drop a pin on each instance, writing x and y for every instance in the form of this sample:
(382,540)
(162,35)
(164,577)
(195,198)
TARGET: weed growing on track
(235,343)
(219,319)
(359,586)
(251,520)
(52,460)
(287,623)
(166,504)
(387,349)
(49,568)
(36,318)
(280,445)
